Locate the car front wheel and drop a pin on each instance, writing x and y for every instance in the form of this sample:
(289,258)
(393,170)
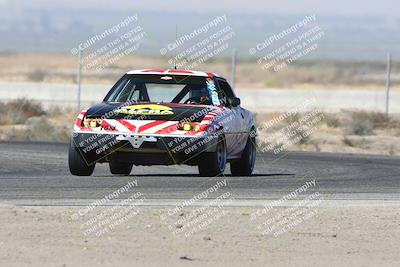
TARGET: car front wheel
(245,165)
(213,163)
(120,168)
(77,164)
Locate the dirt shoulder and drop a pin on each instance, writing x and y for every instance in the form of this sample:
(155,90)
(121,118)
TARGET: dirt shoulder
(50,236)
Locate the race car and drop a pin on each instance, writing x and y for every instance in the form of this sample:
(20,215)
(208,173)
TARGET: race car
(165,117)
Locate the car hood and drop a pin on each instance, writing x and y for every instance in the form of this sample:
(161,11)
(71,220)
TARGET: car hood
(150,111)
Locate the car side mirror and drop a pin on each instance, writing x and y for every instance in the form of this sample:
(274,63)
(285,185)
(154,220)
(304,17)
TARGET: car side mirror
(235,101)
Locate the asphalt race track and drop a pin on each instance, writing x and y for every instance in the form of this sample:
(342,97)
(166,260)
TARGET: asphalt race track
(32,173)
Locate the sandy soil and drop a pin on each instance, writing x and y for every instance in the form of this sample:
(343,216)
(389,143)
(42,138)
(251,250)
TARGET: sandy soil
(52,236)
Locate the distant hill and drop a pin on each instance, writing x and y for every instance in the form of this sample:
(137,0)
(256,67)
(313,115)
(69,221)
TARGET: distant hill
(60,29)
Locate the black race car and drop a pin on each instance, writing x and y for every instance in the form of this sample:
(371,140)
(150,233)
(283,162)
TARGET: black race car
(163,117)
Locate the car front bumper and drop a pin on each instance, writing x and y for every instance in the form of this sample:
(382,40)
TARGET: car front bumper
(142,149)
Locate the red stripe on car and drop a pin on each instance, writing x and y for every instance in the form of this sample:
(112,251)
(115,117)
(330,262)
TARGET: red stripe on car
(161,71)
(129,126)
(180,71)
(78,122)
(169,129)
(149,125)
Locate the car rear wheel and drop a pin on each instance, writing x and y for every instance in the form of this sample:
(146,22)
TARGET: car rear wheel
(213,163)
(77,165)
(245,165)
(120,168)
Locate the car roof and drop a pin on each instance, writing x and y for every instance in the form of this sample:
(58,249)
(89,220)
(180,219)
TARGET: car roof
(175,72)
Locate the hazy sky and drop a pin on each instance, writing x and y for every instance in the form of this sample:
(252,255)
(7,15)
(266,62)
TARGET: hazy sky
(322,7)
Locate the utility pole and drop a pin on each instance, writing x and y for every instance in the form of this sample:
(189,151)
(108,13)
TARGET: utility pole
(176,40)
(388,70)
(233,68)
(78,80)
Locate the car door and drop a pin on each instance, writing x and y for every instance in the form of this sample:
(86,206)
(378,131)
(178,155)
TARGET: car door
(235,124)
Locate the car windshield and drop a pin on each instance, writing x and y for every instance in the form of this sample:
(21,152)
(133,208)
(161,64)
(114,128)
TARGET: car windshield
(166,89)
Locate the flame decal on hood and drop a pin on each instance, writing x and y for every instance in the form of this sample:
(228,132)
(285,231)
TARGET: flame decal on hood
(150,109)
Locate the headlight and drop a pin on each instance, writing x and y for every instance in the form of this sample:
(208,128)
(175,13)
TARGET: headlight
(91,123)
(189,126)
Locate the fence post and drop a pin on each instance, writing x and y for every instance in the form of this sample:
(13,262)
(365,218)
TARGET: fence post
(233,69)
(78,79)
(388,70)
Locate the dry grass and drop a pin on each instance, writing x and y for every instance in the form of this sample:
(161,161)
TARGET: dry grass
(24,119)
(348,131)
(365,122)
(61,68)
(19,111)
(331,120)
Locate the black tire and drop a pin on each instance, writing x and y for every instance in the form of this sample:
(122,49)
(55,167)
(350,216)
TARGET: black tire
(213,163)
(77,165)
(245,165)
(120,168)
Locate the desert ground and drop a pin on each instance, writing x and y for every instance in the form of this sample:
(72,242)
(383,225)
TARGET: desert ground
(341,236)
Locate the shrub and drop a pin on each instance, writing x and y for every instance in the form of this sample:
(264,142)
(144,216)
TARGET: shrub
(361,122)
(292,118)
(37,76)
(359,126)
(19,110)
(41,129)
(347,141)
(378,119)
(331,120)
